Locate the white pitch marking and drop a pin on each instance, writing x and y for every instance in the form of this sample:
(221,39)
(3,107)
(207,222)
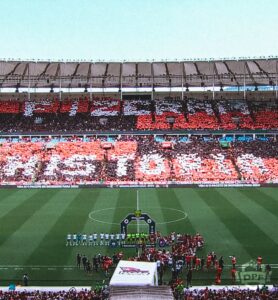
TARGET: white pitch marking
(92,213)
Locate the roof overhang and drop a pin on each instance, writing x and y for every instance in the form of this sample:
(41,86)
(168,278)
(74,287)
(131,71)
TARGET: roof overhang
(187,73)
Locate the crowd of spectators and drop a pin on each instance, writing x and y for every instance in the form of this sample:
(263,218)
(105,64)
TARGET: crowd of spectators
(106,113)
(265,114)
(257,161)
(136,159)
(229,110)
(230,294)
(101,293)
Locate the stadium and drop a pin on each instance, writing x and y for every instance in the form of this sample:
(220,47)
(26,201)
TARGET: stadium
(139,179)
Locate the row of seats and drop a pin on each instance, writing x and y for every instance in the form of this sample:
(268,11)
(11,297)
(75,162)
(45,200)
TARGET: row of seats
(133,106)
(138,159)
(133,114)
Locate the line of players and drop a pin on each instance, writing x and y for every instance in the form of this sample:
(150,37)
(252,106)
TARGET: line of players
(95,239)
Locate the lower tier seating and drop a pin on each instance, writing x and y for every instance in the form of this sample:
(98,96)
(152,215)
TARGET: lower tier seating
(136,159)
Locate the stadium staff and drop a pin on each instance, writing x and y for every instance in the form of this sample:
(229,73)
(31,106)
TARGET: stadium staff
(25,279)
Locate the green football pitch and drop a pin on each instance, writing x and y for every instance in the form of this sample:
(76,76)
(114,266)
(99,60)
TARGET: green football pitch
(34,224)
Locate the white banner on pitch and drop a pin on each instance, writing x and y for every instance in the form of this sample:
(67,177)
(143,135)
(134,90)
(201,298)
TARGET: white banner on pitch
(130,273)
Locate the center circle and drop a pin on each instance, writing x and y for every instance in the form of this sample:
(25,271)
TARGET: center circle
(99,215)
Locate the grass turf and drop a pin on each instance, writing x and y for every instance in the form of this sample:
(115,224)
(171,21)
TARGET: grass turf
(34,224)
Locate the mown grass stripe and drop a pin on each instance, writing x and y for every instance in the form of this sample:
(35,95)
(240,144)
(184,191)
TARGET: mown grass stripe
(72,220)
(122,199)
(96,199)
(266,221)
(259,196)
(168,198)
(270,191)
(106,201)
(12,221)
(217,236)
(11,201)
(251,237)
(30,237)
(150,203)
(7,193)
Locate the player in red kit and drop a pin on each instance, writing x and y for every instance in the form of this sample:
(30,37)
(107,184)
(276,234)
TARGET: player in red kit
(233,259)
(218,275)
(233,273)
(188,261)
(198,263)
(209,261)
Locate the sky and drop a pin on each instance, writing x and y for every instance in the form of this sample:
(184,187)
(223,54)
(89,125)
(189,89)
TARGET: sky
(137,30)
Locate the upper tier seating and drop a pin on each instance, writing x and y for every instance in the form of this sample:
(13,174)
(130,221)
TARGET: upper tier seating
(265,114)
(201,115)
(9,107)
(104,113)
(234,108)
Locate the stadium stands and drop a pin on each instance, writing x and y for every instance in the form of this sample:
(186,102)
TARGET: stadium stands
(109,113)
(231,293)
(140,159)
(265,114)
(117,293)
(228,110)
(97,294)
(257,161)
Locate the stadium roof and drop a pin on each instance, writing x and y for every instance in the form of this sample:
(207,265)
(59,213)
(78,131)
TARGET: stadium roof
(187,73)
